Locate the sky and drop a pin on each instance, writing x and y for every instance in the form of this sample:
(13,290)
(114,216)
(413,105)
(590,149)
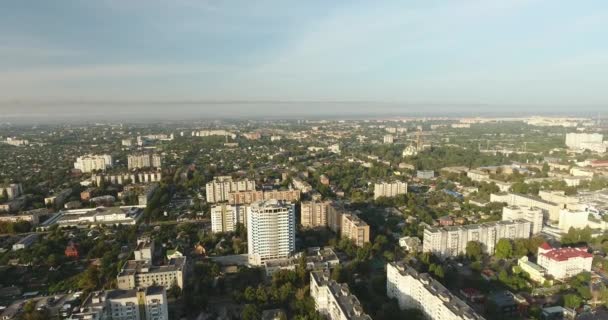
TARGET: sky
(541,55)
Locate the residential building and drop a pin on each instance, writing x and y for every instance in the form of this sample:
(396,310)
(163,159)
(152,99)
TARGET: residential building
(550,209)
(16,142)
(389,189)
(334,300)
(411,244)
(314,214)
(478,175)
(577,219)
(388,139)
(355,229)
(452,241)
(301,185)
(135,304)
(270,231)
(562,263)
(225,217)
(144,160)
(578,141)
(251,196)
(88,163)
(219,189)
(420,291)
(142,273)
(532,214)
(11,191)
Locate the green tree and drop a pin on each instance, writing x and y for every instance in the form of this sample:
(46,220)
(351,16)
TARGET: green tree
(572,301)
(504,249)
(474,250)
(251,312)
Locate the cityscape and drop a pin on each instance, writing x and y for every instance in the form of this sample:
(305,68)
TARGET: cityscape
(274,160)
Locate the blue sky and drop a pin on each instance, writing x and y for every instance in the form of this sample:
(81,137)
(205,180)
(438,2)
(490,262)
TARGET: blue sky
(511,52)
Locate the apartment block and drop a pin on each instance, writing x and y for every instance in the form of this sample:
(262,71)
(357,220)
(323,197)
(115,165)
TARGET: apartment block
(88,163)
(270,231)
(135,304)
(452,241)
(251,196)
(225,217)
(420,291)
(355,229)
(389,189)
(314,214)
(219,189)
(334,300)
(144,160)
(532,214)
(550,209)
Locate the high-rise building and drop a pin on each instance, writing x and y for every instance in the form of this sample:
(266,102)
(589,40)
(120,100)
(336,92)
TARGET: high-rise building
(581,141)
(135,304)
(219,189)
(144,160)
(11,191)
(388,139)
(88,163)
(355,229)
(550,209)
(314,214)
(334,300)
(420,291)
(389,189)
(270,231)
(452,241)
(532,214)
(225,217)
(251,196)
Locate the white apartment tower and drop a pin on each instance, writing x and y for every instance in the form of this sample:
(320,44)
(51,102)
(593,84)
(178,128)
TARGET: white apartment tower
(88,163)
(219,189)
(271,231)
(225,217)
(532,214)
(389,189)
(144,160)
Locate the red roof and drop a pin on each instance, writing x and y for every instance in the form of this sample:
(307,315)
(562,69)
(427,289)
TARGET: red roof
(545,246)
(564,254)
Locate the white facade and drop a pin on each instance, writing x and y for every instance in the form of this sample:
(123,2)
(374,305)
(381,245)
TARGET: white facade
(12,190)
(573,219)
(414,290)
(389,189)
(452,241)
(89,163)
(219,189)
(138,161)
(564,263)
(550,209)
(579,141)
(136,304)
(224,217)
(271,229)
(532,214)
(388,139)
(334,300)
